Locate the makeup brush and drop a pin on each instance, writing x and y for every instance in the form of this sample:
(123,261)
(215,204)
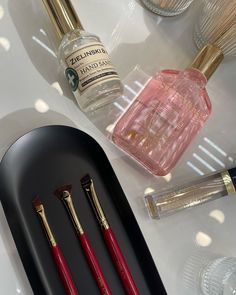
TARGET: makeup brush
(110,239)
(59,259)
(64,194)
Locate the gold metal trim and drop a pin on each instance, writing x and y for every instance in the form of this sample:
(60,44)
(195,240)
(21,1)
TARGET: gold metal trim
(67,200)
(207,60)
(41,212)
(228,182)
(63,16)
(151,206)
(91,193)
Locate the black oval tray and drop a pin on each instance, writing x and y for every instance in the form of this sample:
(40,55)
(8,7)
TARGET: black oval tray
(38,163)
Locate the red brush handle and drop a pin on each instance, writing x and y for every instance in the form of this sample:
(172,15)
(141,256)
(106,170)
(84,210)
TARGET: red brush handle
(120,263)
(94,265)
(64,271)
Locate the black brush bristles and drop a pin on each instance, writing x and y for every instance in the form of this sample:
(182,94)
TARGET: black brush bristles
(86,180)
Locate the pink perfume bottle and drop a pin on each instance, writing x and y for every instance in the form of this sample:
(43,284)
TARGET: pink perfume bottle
(164,118)
(162,121)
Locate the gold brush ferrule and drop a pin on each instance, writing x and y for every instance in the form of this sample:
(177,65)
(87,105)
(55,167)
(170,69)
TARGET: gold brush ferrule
(91,193)
(41,212)
(207,60)
(67,200)
(228,182)
(151,206)
(63,16)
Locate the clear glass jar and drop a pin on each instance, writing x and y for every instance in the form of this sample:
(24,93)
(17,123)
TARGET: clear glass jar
(102,90)
(219,277)
(216,25)
(209,274)
(167,7)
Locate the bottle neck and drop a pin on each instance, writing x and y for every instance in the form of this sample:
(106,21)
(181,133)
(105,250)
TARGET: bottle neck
(63,16)
(196,76)
(208,60)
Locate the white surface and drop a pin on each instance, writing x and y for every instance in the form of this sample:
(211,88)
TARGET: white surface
(30,97)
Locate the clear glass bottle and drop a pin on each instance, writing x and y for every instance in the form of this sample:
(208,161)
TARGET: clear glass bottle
(167,7)
(206,189)
(87,65)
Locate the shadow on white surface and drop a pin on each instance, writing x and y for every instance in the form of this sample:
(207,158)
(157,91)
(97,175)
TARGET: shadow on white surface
(23,121)
(146,46)
(39,40)
(163,37)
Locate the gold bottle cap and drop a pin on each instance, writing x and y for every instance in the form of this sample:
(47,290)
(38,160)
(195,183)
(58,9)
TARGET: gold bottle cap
(63,16)
(207,60)
(229,185)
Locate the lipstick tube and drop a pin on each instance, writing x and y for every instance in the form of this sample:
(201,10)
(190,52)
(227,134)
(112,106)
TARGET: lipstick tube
(110,238)
(64,194)
(204,190)
(58,257)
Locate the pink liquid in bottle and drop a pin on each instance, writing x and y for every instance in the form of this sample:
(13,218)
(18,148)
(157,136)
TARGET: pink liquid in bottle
(164,118)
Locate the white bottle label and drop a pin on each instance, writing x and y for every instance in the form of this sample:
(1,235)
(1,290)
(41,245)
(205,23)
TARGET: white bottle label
(88,66)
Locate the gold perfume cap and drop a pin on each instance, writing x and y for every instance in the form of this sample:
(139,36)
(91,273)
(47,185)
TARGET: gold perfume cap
(208,59)
(63,16)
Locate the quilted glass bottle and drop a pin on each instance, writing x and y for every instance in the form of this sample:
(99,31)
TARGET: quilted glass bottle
(164,118)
